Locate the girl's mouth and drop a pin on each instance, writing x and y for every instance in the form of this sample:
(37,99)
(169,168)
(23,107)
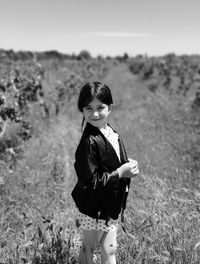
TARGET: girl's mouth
(96,119)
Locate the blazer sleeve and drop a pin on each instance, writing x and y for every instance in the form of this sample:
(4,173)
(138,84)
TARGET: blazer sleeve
(88,169)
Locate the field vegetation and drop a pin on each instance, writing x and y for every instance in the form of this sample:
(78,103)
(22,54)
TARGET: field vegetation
(157,112)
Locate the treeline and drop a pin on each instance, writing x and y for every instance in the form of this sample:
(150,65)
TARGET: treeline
(31,55)
(53,54)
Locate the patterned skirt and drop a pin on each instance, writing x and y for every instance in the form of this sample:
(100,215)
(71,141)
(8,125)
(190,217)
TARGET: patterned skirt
(86,222)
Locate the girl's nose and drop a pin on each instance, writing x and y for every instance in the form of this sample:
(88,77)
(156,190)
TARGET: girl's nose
(95,114)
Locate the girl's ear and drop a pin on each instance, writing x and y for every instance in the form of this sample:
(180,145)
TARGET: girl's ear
(110,107)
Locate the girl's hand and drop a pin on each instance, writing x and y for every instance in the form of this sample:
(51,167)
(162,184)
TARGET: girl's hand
(134,167)
(129,169)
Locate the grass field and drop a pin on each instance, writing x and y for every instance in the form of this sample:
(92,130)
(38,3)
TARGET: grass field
(162,217)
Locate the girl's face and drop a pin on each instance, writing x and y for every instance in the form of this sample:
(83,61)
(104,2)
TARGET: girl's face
(96,113)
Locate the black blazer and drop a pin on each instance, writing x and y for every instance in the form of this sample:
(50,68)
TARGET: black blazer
(99,192)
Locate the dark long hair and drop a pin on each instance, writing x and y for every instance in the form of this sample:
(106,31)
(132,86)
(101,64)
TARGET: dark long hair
(92,90)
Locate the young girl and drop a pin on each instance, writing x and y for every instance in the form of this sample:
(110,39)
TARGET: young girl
(103,172)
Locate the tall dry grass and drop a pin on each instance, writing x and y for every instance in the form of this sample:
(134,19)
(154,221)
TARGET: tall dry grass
(162,217)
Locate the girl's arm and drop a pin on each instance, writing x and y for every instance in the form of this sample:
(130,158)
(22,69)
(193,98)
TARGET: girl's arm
(88,169)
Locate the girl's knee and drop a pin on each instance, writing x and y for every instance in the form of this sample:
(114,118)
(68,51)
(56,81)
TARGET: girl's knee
(109,249)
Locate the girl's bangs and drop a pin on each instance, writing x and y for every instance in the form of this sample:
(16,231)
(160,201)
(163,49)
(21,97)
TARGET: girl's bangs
(88,100)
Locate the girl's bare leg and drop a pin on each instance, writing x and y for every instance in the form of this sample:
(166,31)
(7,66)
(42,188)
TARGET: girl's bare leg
(90,242)
(108,246)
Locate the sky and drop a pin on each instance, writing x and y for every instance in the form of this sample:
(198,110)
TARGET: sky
(103,27)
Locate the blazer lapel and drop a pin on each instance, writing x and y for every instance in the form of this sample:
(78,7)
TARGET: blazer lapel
(123,155)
